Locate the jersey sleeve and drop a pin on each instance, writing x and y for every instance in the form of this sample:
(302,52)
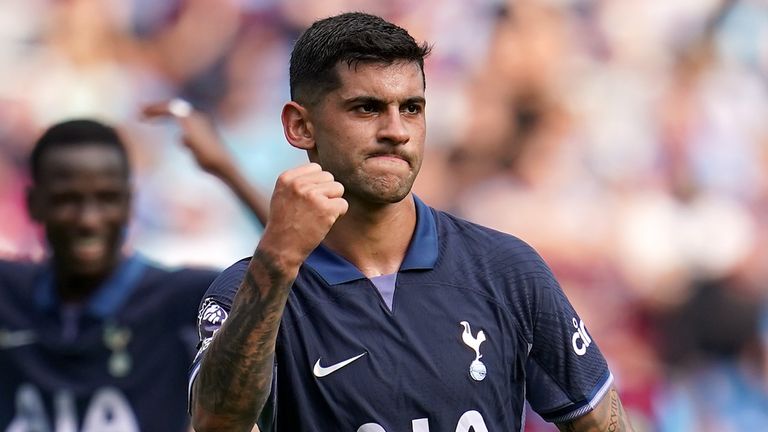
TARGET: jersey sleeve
(566,374)
(213,311)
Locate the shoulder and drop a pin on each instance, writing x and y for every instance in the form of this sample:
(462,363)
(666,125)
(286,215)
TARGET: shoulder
(18,274)
(17,282)
(226,284)
(16,266)
(177,288)
(179,277)
(456,229)
(502,251)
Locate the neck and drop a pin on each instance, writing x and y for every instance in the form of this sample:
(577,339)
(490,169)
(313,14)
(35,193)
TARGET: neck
(77,288)
(374,238)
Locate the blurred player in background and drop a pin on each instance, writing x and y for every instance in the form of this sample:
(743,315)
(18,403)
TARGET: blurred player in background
(365,310)
(95,339)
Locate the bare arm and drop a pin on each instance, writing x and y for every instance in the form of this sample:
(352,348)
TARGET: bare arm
(608,416)
(235,376)
(236,371)
(200,137)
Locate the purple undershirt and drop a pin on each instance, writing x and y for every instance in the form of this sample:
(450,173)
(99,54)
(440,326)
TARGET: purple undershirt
(386,286)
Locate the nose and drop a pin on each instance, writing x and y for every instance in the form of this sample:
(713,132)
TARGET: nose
(393,129)
(90,216)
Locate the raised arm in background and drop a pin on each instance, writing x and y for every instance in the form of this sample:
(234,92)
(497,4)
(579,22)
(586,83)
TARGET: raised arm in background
(200,137)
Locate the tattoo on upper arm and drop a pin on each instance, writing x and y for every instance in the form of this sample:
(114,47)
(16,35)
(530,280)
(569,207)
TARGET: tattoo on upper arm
(608,416)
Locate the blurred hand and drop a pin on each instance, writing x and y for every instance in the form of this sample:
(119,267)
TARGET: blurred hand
(198,134)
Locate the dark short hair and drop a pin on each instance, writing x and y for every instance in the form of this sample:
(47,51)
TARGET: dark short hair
(72,133)
(353,38)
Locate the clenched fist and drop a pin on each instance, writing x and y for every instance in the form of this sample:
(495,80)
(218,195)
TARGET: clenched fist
(305,204)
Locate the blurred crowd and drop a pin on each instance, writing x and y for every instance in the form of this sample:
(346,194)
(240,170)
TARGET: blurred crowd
(626,140)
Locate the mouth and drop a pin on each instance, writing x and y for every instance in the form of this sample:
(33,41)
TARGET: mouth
(91,248)
(389,158)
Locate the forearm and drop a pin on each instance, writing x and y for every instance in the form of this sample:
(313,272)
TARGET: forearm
(236,371)
(247,193)
(608,416)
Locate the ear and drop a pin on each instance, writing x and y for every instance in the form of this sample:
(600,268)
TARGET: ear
(297,126)
(35,204)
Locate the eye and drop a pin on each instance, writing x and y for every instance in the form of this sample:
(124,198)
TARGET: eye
(366,108)
(65,199)
(110,197)
(413,108)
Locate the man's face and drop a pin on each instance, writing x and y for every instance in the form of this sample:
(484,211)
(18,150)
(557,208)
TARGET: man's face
(369,133)
(83,201)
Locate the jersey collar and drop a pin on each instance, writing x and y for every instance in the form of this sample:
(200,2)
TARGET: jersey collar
(106,299)
(421,254)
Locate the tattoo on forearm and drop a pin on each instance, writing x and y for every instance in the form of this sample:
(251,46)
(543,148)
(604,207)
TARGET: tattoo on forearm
(608,416)
(614,416)
(237,379)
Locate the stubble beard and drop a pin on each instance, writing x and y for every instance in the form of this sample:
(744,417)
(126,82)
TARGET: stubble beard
(379,189)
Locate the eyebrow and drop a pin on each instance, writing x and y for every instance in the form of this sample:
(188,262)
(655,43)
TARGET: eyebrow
(375,100)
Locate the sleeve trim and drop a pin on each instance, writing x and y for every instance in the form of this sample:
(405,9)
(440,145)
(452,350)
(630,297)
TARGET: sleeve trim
(562,418)
(192,377)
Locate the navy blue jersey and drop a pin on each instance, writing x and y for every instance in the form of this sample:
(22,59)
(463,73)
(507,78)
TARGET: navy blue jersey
(116,363)
(478,325)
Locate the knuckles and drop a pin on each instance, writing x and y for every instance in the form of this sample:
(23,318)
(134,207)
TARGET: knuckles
(308,192)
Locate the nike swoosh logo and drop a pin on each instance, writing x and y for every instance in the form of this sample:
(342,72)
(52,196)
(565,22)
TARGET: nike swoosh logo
(321,371)
(16,338)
